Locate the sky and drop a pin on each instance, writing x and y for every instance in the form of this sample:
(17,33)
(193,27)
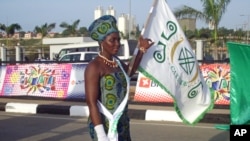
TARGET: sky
(31,13)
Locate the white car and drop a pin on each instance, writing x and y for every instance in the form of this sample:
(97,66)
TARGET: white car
(79,56)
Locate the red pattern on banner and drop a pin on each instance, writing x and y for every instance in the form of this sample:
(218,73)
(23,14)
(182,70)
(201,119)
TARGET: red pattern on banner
(216,76)
(36,80)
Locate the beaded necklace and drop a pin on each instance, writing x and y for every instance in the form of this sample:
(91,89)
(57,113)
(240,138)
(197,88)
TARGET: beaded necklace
(112,63)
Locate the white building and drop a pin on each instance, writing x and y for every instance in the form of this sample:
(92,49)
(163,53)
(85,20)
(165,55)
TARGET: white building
(98,12)
(126,24)
(111,11)
(132,24)
(123,24)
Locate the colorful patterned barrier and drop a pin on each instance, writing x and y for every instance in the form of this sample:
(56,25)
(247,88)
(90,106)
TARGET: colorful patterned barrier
(217,77)
(66,81)
(43,80)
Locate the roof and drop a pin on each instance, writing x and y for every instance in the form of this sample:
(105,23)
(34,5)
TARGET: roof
(79,52)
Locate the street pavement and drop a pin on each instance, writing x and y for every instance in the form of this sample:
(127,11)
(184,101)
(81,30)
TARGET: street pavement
(49,127)
(137,110)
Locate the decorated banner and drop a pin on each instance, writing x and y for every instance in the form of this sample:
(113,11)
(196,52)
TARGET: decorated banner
(171,63)
(216,76)
(2,74)
(239,92)
(149,91)
(76,87)
(43,80)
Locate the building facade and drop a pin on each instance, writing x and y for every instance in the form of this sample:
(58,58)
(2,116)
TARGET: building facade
(98,12)
(187,24)
(111,11)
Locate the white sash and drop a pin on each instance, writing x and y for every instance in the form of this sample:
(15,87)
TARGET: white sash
(113,119)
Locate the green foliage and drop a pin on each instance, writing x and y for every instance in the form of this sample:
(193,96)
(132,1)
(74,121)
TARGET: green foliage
(213,11)
(10,30)
(44,29)
(30,42)
(70,30)
(22,42)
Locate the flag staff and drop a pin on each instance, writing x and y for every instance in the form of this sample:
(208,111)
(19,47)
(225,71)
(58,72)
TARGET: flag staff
(131,64)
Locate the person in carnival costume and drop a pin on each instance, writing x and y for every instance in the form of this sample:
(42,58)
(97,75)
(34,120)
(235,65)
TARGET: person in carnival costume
(107,82)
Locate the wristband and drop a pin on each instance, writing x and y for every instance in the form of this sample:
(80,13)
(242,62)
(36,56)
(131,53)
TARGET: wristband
(143,50)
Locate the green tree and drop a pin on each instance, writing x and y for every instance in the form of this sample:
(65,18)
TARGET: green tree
(213,11)
(138,32)
(10,30)
(84,31)
(122,35)
(44,29)
(70,30)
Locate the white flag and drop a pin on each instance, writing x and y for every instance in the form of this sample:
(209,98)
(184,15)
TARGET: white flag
(171,63)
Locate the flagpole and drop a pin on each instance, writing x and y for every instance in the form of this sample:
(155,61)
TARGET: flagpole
(132,62)
(147,21)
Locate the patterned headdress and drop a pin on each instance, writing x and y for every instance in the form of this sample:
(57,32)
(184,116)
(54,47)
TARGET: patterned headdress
(102,27)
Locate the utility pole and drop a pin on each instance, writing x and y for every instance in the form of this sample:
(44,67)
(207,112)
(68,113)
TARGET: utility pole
(248,22)
(129,20)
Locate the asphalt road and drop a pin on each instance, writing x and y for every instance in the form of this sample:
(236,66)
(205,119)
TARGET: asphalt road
(43,127)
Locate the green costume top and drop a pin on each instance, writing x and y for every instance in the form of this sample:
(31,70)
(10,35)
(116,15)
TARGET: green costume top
(113,90)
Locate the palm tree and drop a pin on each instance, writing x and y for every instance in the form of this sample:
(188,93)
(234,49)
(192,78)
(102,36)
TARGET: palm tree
(213,11)
(44,31)
(10,30)
(83,31)
(70,30)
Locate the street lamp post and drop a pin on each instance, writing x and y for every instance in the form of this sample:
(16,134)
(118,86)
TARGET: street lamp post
(248,22)
(129,24)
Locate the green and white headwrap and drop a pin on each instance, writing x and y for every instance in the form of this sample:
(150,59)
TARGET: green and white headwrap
(102,27)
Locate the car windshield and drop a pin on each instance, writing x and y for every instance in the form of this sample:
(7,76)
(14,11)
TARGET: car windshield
(89,57)
(71,57)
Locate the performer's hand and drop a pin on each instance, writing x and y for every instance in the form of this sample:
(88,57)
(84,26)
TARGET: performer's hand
(145,43)
(101,135)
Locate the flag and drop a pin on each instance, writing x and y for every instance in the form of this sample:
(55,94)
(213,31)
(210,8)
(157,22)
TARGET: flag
(240,87)
(171,63)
